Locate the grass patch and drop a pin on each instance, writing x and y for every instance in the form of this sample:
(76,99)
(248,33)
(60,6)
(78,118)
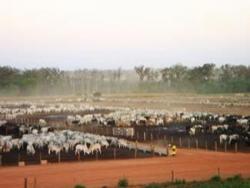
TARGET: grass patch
(123,183)
(214,182)
(79,186)
(215,179)
(179,182)
(153,185)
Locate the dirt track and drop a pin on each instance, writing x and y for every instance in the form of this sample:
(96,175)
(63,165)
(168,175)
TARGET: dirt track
(188,164)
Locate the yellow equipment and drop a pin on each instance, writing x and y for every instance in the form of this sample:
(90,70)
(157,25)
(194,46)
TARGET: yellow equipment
(173,150)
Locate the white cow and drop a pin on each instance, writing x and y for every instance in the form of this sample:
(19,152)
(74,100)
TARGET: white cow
(66,146)
(16,143)
(82,147)
(86,119)
(242,121)
(223,138)
(122,143)
(95,147)
(42,122)
(44,129)
(233,138)
(35,131)
(104,143)
(30,149)
(54,148)
(214,128)
(222,119)
(159,122)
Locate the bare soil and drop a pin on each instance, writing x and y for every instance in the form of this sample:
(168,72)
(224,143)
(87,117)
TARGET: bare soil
(188,164)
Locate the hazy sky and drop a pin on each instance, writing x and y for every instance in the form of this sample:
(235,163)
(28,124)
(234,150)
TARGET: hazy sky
(72,34)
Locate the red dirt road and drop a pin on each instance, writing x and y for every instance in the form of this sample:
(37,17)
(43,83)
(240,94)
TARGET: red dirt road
(188,164)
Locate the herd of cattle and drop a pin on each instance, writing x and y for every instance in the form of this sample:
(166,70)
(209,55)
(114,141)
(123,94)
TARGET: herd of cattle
(10,111)
(228,128)
(57,141)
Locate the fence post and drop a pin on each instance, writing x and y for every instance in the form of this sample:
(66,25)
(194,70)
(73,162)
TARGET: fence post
(18,156)
(114,153)
(25,183)
(136,149)
(166,142)
(153,150)
(236,147)
(137,136)
(151,136)
(197,143)
(144,136)
(40,155)
(172,176)
(59,157)
(172,139)
(188,143)
(180,142)
(206,144)
(225,147)
(96,155)
(34,182)
(215,146)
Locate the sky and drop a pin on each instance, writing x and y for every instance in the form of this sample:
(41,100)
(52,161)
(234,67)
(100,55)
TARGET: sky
(72,34)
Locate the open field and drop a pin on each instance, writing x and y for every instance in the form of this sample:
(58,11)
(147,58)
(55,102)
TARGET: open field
(189,102)
(188,164)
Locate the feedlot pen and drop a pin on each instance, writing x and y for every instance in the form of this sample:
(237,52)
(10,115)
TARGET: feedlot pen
(174,133)
(14,157)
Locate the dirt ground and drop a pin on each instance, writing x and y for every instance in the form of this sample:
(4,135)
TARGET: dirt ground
(238,103)
(175,102)
(188,164)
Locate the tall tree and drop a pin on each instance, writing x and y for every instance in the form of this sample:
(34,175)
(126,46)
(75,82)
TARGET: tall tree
(142,72)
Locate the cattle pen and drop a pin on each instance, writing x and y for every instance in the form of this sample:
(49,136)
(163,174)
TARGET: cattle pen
(132,143)
(147,142)
(140,150)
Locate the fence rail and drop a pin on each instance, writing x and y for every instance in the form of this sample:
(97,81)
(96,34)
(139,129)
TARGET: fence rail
(182,140)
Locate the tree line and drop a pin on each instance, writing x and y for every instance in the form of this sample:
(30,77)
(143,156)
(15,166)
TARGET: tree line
(53,81)
(207,78)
